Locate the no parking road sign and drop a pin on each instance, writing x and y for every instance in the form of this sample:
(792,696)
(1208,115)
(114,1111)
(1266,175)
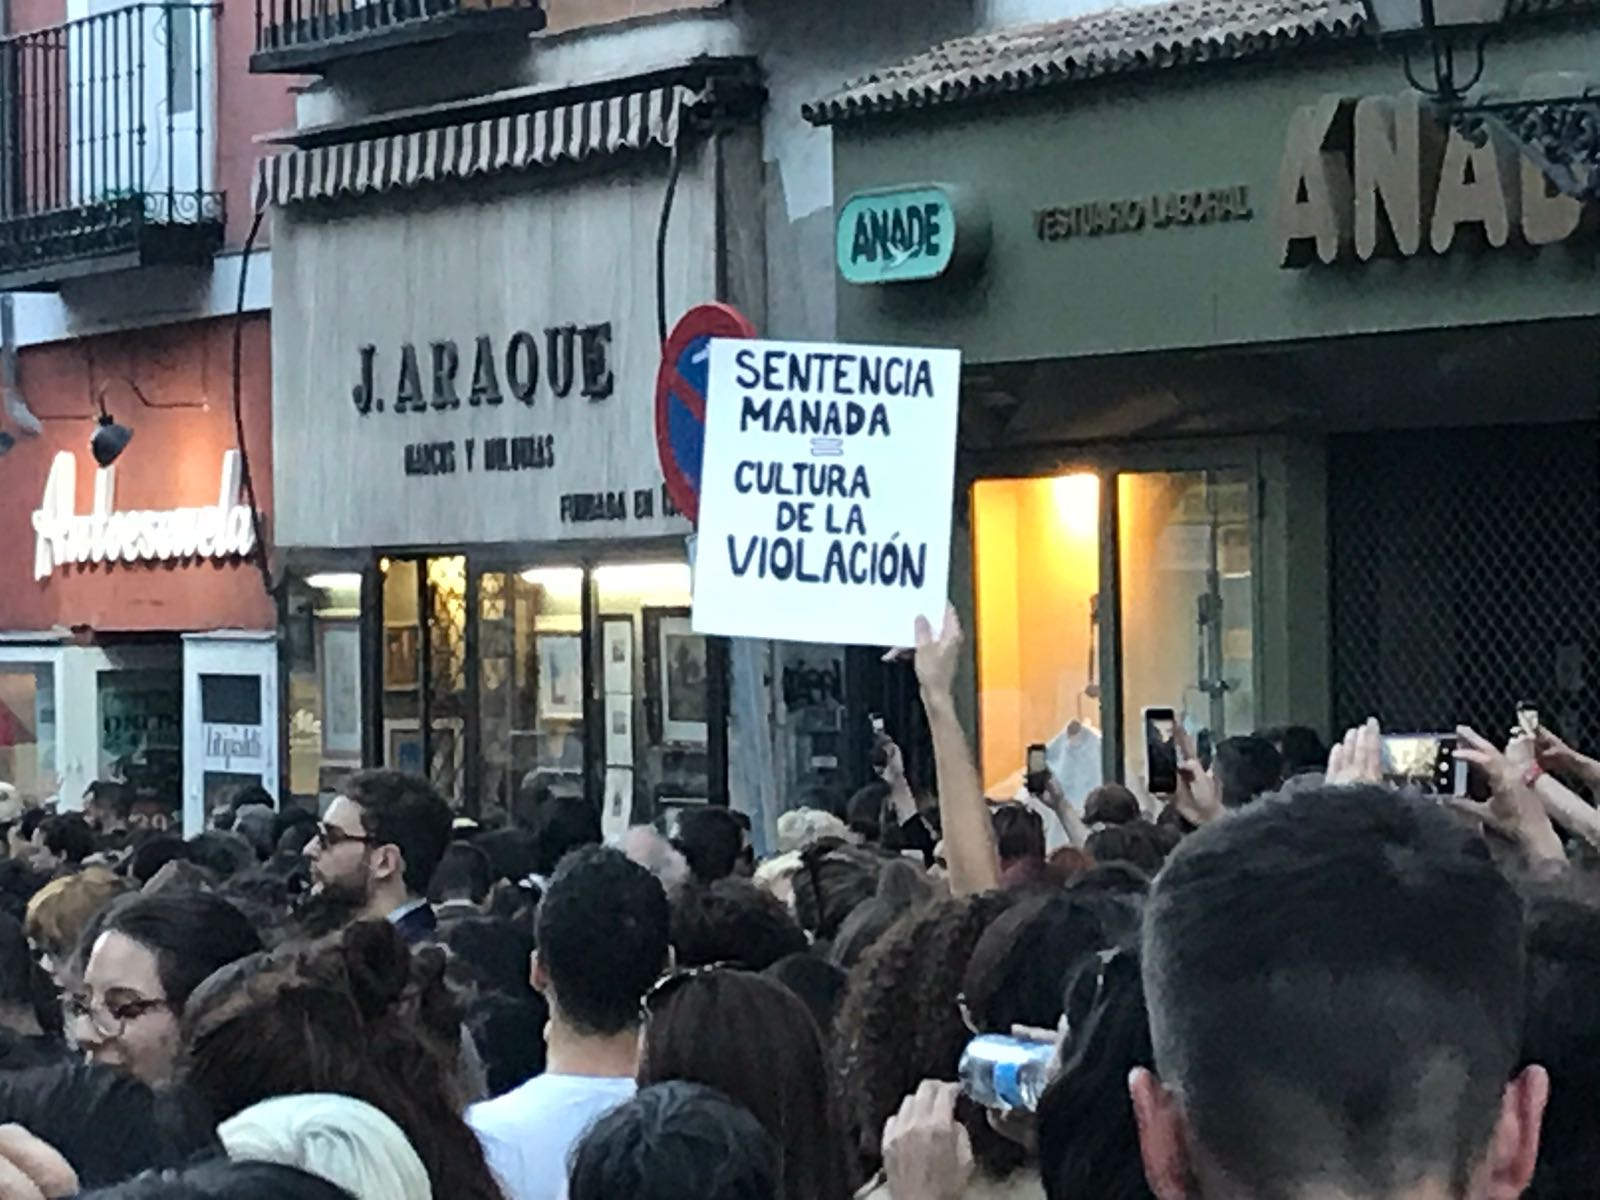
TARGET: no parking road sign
(681,397)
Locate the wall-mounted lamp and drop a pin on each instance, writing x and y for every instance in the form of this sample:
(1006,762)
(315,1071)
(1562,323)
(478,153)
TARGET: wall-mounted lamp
(110,439)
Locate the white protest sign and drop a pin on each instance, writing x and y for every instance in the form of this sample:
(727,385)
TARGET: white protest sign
(825,491)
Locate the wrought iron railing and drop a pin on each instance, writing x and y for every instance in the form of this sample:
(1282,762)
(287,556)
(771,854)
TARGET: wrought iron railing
(104,132)
(302,28)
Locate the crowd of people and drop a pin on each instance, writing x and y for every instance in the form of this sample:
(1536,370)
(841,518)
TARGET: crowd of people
(1285,980)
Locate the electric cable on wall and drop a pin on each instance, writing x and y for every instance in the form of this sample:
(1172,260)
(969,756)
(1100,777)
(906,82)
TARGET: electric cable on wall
(238,408)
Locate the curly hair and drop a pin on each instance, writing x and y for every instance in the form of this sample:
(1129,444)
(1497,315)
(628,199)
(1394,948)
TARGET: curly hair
(357,1014)
(901,1022)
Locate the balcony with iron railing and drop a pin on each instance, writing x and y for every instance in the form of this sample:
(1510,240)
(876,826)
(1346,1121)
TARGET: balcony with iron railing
(106,154)
(298,36)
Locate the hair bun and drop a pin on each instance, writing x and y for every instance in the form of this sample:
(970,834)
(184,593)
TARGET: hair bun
(378,963)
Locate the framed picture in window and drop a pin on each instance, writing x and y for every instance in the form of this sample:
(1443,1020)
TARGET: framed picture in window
(616,649)
(402,658)
(675,678)
(340,648)
(560,667)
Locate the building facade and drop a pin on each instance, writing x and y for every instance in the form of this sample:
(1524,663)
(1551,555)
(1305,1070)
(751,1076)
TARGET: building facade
(137,633)
(1279,401)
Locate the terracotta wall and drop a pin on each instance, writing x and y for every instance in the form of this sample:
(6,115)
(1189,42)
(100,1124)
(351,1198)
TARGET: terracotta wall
(174,461)
(247,105)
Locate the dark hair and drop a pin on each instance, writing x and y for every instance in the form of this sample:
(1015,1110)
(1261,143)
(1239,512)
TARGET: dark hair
(818,983)
(1088,1137)
(900,1023)
(753,1040)
(1562,1034)
(223,854)
(1139,842)
(224,1180)
(106,1123)
(1111,804)
(1019,968)
(732,922)
(407,812)
(68,836)
(191,933)
(603,936)
(564,824)
(464,871)
(107,793)
(509,1034)
(512,852)
(901,887)
(864,812)
(1270,941)
(710,838)
(358,1014)
(23,982)
(18,884)
(832,881)
(675,1140)
(154,852)
(1018,832)
(31,819)
(1301,748)
(493,953)
(1246,768)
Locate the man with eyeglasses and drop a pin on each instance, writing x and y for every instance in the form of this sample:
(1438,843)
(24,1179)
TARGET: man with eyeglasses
(377,847)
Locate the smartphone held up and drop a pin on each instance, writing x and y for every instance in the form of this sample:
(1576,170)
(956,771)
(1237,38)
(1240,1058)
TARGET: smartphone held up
(1161,751)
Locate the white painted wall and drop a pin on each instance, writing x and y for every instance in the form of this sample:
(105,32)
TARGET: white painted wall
(1004,14)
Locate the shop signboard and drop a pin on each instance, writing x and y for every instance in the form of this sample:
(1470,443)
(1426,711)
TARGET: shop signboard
(825,491)
(906,234)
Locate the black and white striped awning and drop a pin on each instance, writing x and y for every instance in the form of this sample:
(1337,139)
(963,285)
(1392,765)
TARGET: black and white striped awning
(523,141)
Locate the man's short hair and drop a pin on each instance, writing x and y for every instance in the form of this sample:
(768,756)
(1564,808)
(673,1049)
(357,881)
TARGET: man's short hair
(68,836)
(1246,767)
(404,811)
(1335,986)
(463,871)
(602,932)
(711,838)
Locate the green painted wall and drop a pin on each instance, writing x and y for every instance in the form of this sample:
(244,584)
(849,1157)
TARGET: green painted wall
(1178,287)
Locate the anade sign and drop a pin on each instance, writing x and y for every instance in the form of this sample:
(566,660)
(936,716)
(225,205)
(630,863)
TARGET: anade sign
(1383,176)
(902,235)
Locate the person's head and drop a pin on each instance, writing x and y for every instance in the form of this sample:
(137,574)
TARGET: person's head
(832,881)
(60,911)
(710,838)
(901,887)
(1018,971)
(1018,834)
(147,957)
(1562,1034)
(755,1042)
(648,847)
(380,842)
(1245,768)
(1335,988)
(341,1139)
(1139,842)
(901,1021)
(564,824)
(1088,1138)
(1301,749)
(153,851)
(801,827)
(63,841)
(1111,804)
(19,836)
(602,933)
(223,854)
(358,1014)
(256,820)
(490,954)
(463,874)
(817,982)
(105,1123)
(107,805)
(674,1140)
(223,1180)
(864,811)
(732,922)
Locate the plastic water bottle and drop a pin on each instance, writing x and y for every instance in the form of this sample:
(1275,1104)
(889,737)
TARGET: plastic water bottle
(1005,1073)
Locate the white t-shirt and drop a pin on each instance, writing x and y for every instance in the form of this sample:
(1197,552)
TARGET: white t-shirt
(528,1133)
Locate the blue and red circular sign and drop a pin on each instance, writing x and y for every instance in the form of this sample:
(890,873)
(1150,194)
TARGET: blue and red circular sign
(681,384)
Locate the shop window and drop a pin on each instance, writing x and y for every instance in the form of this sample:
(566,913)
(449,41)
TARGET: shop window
(424,670)
(141,731)
(1187,603)
(654,675)
(1036,583)
(323,653)
(28,728)
(530,682)
(233,741)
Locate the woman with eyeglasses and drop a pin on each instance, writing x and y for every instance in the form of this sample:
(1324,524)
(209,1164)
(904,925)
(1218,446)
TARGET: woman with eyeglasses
(142,963)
